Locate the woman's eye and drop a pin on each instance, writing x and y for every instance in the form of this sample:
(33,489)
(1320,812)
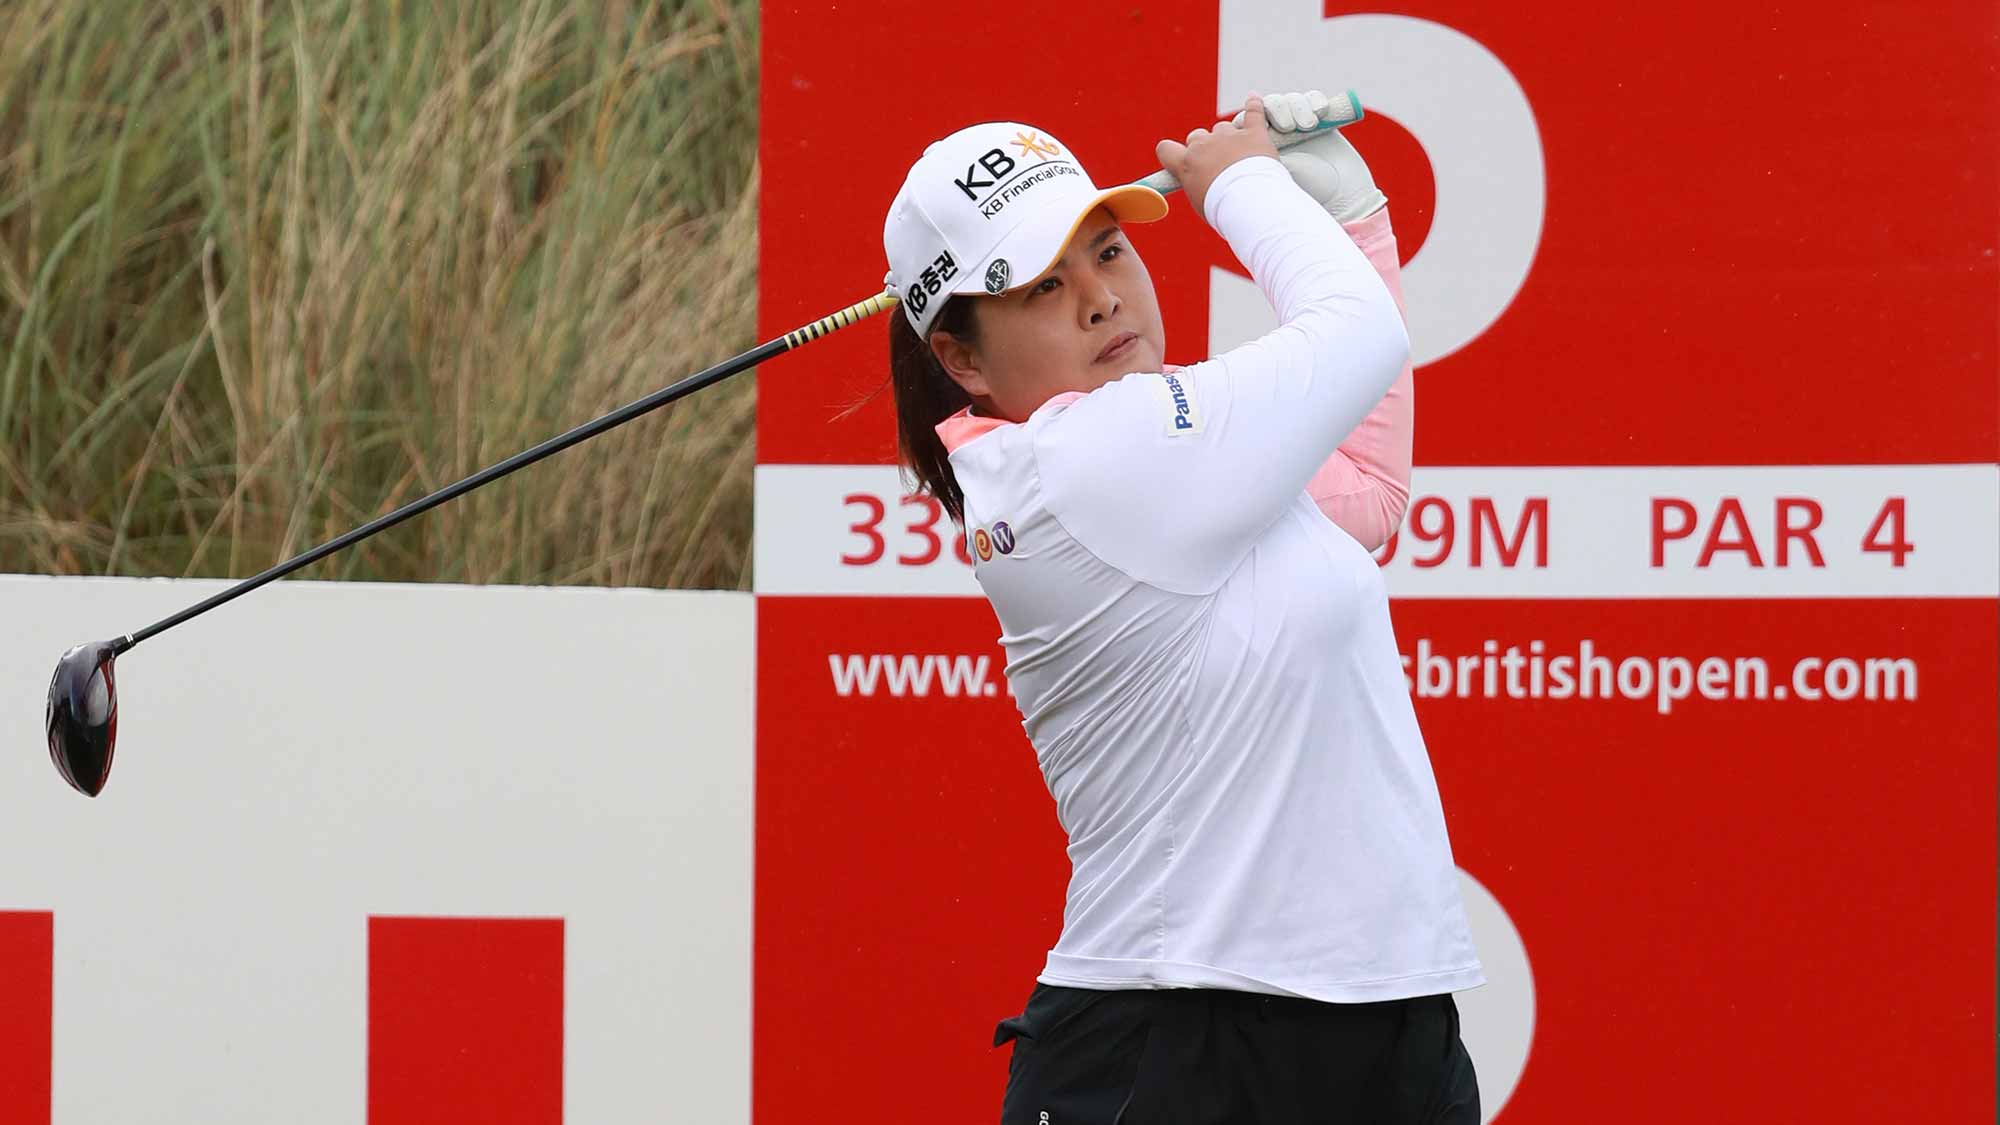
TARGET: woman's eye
(1110,252)
(1047,285)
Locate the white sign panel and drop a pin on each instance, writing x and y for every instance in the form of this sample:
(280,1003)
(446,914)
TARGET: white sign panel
(293,763)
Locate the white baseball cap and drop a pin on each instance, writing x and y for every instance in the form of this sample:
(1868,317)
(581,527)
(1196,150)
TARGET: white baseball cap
(988,209)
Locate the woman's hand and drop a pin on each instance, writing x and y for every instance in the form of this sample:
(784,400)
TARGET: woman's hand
(1326,166)
(1207,152)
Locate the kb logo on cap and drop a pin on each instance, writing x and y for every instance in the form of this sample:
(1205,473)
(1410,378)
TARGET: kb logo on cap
(1036,143)
(998,165)
(995,162)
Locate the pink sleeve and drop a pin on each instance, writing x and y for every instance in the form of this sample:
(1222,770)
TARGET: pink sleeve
(1364,487)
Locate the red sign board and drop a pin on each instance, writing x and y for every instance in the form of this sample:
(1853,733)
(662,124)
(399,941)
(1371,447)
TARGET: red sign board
(1697,600)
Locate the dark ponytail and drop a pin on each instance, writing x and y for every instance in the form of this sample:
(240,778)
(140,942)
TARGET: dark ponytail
(925,396)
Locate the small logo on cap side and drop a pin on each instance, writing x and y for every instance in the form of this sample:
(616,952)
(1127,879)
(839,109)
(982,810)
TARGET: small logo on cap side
(917,294)
(997,276)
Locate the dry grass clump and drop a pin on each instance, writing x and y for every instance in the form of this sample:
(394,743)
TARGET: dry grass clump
(268,270)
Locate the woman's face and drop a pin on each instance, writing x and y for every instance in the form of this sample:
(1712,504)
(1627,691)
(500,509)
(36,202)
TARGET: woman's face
(1092,318)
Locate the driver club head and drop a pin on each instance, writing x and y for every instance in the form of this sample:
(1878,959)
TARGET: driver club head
(83,716)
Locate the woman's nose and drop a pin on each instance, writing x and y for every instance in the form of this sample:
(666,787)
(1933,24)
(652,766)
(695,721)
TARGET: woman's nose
(1102,304)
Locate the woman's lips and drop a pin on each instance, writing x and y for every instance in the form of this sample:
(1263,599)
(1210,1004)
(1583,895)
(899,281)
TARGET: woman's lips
(1119,345)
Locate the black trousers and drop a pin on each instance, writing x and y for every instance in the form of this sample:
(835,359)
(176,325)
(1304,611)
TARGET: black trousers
(1202,1056)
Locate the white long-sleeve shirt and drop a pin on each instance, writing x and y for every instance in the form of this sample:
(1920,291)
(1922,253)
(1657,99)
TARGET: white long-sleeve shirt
(1364,488)
(1204,662)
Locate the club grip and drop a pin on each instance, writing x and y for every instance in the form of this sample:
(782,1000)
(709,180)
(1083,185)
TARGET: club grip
(832,322)
(1342,109)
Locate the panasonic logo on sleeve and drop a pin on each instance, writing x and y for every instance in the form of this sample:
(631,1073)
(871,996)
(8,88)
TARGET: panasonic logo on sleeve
(1182,416)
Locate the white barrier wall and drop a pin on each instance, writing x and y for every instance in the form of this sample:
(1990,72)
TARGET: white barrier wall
(319,753)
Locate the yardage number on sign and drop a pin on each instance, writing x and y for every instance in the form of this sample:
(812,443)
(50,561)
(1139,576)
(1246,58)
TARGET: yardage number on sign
(1760,531)
(922,522)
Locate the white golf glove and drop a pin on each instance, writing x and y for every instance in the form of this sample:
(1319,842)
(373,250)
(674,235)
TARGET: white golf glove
(1326,166)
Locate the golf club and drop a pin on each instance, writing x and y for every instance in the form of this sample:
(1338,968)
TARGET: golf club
(82,714)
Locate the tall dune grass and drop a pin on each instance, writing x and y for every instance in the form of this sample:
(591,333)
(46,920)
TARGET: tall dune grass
(271,269)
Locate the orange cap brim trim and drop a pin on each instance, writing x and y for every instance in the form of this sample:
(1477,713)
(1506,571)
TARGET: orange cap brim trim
(1129,203)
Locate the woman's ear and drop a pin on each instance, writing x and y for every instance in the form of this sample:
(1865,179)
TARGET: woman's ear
(961,361)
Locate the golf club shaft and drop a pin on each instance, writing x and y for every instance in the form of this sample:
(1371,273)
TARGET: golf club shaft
(1344,112)
(797,338)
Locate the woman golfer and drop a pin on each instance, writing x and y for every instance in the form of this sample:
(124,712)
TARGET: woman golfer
(1263,922)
